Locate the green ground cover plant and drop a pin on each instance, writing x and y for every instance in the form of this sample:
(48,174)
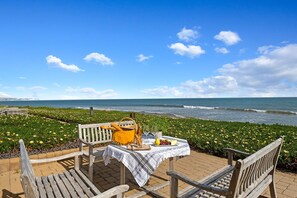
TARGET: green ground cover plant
(39,133)
(204,135)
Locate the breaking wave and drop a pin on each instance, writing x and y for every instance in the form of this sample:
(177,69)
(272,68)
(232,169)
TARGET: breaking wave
(244,110)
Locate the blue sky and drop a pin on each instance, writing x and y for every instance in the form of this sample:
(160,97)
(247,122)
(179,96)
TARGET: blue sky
(148,49)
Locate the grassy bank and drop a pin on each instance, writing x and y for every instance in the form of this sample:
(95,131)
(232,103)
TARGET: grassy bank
(46,128)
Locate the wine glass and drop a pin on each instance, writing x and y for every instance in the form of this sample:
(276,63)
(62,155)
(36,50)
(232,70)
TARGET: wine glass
(154,130)
(146,130)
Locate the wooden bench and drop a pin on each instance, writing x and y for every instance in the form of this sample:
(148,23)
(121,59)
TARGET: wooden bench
(249,177)
(91,135)
(71,183)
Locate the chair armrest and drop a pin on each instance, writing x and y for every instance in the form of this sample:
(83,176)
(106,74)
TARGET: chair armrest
(231,153)
(196,184)
(87,143)
(113,191)
(53,159)
(234,151)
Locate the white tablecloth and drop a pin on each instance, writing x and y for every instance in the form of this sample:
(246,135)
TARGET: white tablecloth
(143,163)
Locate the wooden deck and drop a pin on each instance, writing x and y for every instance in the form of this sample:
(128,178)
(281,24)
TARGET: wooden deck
(197,166)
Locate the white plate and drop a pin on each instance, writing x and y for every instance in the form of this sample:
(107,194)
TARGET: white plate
(164,145)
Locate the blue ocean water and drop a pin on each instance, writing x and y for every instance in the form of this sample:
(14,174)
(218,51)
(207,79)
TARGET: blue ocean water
(254,110)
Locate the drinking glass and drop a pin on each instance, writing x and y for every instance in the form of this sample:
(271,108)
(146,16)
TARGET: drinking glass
(154,130)
(146,130)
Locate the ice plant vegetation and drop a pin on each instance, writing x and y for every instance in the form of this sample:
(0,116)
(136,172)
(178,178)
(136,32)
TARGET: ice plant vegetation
(46,128)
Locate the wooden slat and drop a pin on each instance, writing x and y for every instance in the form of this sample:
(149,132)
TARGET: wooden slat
(26,165)
(79,131)
(88,182)
(101,132)
(207,180)
(81,183)
(93,134)
(88,134)
(41,189)
(76,187)
(54,186)
(68,185)
(260,188)
(61,186)
(97,129)
(48,188)
(84,134)
(256,156)
(150,189)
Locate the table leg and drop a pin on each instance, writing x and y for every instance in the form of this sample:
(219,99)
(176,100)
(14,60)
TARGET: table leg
(122,173)
(173,182)
(171,163)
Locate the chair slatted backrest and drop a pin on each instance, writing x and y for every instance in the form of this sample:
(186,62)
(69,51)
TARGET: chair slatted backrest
(253,170)
(27,174)
(93,133)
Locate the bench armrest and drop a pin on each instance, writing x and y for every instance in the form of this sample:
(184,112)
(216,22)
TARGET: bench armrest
(231,153)
(53,159)
(113,191)
(196,184)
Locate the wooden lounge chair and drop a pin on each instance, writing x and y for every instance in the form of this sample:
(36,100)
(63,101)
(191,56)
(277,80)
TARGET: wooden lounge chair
(91,135)
(248,178)
(71,183)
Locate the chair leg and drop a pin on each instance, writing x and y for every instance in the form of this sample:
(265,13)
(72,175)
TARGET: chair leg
(76,162)
(272,190)
(173,187)
(91,163)
(80,158)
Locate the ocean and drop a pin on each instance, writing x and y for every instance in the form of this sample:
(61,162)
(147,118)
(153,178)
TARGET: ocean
(253,110)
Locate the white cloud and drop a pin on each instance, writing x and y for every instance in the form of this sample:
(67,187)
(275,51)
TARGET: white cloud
(90,93)
(99,58)
(272,73)
(266,49)
(208,87)
(187,34)
(22,78)
(190,50)
(222,50)
(37,88)
(213,85)
(163,91)
(31,92)
(142,58)
(58,62)
(4,95)
(228,37)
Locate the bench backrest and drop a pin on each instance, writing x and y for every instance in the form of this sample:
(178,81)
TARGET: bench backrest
(256,171)
(27,174)
(93,133)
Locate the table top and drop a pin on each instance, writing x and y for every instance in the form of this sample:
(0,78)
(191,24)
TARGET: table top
(142,164)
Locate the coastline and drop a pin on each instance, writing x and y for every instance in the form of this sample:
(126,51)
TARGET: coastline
(253,110)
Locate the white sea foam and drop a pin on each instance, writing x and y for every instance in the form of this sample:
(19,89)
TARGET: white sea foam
(198,107)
